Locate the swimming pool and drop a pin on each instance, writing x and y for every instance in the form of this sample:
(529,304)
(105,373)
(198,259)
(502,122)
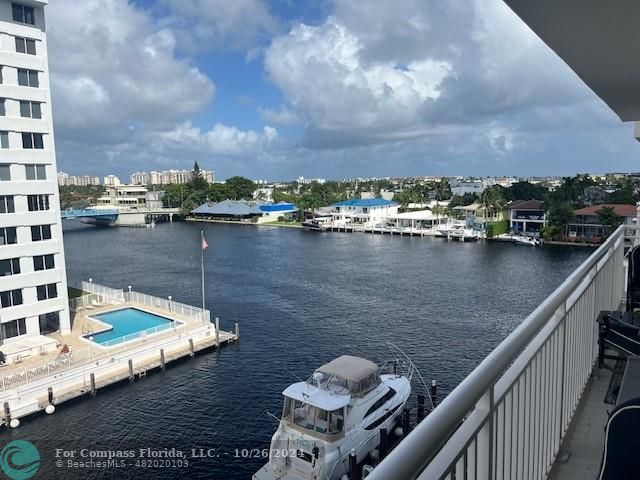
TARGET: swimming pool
(127,324)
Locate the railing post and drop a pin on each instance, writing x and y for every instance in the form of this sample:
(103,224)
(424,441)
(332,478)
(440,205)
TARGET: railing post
(485,437)
(562,311)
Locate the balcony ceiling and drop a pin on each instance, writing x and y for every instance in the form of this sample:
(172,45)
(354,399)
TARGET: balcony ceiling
(598,39)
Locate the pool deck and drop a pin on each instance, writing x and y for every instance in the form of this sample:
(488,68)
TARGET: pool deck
(32,383)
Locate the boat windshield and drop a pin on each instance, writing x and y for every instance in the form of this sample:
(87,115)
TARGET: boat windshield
(313,418)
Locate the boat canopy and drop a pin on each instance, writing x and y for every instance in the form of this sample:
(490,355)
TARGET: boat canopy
(317,397)
(358,375)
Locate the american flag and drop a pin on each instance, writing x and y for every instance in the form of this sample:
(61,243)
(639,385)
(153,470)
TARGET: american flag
(204,243)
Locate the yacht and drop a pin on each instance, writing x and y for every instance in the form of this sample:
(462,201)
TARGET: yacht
(458,231)
(317,224)
(521,240)
(339,409)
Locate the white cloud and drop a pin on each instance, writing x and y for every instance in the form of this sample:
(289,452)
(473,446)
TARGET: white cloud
(322,73)
(222,24)
(402,70)
(283,116)
(112,66)
(220,140)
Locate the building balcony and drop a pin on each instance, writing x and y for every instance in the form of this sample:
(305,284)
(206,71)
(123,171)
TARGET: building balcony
(512,415)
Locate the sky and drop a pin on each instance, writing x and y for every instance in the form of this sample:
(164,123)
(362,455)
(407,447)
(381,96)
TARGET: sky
(323,88)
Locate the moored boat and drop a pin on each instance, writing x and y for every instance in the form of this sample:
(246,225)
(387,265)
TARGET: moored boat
(341,408)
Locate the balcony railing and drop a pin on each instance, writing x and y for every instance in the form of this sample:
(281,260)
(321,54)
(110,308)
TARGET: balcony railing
(507,418)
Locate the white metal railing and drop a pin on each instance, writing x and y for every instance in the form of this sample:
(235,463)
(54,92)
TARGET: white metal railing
(507,418)
(111,293)
(168,305)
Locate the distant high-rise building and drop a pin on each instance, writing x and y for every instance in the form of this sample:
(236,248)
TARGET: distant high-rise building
(168,177)
(65,179)
(33,279)
(111,180)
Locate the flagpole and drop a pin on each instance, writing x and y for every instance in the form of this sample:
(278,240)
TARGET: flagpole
(202,264)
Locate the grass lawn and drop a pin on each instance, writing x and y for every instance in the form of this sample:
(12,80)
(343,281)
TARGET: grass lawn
(75,292)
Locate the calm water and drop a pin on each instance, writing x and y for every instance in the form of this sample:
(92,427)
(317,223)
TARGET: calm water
(301,299)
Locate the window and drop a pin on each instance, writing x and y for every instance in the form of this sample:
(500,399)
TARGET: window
(8,236)
(40,232)
(5,173)
(1,78)
(9,298)
(14,328)
(43,262)
(30,109)
(37,203)
(47,291)
(28,78)
(4,139)
(381,401)
(10,266)
(32,140)
(36,172)
(6,204)
(23,14)
(3,111)
(25,45)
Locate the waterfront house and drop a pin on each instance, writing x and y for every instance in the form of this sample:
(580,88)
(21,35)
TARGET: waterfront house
(587,226)
(230,210)
(418,221)
(271,212)
(478,216)
(364,212)
(527,217)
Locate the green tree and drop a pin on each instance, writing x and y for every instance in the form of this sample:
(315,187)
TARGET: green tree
(198,182)
(560,215)
(608,218)
(525,191)
(240,188)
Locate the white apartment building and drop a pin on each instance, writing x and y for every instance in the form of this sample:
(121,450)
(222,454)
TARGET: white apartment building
(168,177)
(33,282)
(64,179)
(111,180)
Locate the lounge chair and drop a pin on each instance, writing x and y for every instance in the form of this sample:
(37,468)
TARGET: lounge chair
(622,442)
(633,279)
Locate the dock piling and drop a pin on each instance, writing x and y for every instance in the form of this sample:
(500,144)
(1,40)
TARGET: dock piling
(406,421)
(130,370)
(7,414)
(162,359)
(384,448)
(420,407)
(237,332)
(434,393)
(353,466)
(92,377)
(192,352)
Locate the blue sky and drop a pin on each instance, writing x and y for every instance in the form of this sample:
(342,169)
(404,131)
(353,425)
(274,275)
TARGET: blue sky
(324,88)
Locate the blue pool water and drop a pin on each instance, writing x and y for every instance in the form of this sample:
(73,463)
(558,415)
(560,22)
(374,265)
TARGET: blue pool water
(127,321)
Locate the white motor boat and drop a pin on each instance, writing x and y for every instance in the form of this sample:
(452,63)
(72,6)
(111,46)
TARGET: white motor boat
(340,409)
(317,224)
(521,240)
(458,231)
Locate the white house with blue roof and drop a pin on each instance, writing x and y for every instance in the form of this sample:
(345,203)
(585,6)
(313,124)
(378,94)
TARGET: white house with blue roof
(366,212)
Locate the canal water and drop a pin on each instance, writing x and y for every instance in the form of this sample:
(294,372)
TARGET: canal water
(301,299)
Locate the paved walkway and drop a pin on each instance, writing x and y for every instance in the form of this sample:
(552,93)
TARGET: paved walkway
(581,451)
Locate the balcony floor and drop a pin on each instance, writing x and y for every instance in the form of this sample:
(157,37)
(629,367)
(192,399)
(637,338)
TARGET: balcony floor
(581,450)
